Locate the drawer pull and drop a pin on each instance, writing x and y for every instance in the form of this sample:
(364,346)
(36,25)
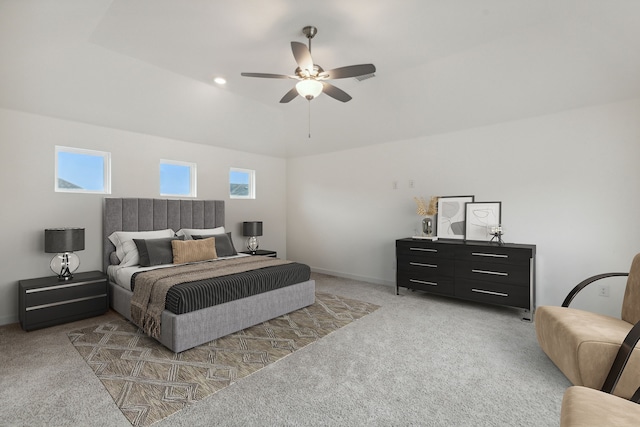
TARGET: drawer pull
(424,249)
(482,291)
(495,273)
(420,264)
(66,285)
(489,255)
(423,282)
(53,304)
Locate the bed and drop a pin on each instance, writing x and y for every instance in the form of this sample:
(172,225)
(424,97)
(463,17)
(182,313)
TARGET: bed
(182,331)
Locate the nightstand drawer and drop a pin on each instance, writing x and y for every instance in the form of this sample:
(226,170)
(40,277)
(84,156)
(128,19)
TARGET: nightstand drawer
(48,315)
(60,293)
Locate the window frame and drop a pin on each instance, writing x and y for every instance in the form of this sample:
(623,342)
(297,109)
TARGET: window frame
(106,173)
(252,183)
(193,181)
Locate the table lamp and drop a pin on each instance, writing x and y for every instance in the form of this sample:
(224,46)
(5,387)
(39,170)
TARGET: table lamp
(252,229)
(63,242)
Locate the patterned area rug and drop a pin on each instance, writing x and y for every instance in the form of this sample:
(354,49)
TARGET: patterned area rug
(148,382)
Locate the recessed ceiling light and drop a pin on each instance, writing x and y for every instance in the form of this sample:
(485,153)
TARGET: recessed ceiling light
(220,80)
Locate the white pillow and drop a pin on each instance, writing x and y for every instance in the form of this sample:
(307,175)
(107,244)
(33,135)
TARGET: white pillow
(126,249)
(187,232)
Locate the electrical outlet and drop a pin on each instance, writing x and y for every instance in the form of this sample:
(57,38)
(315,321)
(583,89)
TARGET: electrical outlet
(394,184)
(410,183)
(603,290)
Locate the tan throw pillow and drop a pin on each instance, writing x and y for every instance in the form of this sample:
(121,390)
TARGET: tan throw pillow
(193,250)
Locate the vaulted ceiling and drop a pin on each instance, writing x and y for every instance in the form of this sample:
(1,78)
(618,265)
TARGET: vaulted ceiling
(148,65)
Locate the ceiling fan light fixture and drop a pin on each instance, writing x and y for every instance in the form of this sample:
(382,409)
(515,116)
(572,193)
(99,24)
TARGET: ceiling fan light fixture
(309,88)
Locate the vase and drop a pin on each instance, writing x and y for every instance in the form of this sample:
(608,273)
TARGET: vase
(427,226)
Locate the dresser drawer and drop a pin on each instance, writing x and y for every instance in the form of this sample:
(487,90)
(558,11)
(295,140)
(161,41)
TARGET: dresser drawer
(426,265)
(423,248)
(434,284)
(512,274)
(494,254)
(493,293)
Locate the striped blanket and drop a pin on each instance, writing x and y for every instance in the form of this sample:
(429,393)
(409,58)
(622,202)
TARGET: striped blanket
(151,287)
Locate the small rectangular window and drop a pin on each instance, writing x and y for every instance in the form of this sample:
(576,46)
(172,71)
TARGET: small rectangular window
(242,183)
(177,178)
(82,171)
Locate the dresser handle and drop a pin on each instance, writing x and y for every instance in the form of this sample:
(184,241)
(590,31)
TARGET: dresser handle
(482,291)
(423,282)
(424,249)
(495,273)
(420,264)
(489,255)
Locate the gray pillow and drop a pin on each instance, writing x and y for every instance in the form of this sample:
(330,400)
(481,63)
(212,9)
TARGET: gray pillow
(224,244)
(155,251)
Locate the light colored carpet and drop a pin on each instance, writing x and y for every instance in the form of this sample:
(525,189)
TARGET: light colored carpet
(418,360)
(149,382)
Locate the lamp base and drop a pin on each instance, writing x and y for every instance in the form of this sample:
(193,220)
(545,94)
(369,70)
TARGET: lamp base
(64,265)
(252,244)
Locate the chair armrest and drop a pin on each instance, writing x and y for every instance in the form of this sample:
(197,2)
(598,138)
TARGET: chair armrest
(580,286)
(621,359)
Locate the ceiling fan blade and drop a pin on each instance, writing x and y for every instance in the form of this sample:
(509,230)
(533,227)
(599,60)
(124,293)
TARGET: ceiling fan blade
(303,56)
(289,95)
(267,76)
(351,71)
(335,93)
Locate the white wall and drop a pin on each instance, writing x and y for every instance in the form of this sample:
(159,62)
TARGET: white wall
(569,183)
(30,204)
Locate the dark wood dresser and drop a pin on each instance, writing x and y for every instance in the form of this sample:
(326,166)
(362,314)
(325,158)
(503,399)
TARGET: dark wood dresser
(476,271)
(48,301)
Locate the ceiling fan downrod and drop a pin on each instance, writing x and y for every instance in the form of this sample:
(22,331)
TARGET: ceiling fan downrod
(310,31)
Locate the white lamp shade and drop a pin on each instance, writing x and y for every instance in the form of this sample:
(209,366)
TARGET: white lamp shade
(309,88)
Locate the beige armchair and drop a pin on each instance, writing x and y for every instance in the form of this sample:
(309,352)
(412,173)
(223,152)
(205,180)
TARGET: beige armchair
(584,345)
(586,407)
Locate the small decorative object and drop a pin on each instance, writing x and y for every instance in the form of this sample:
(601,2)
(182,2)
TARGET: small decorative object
(480,218)
(64,241)
(451,217)
(426,210)
(252,229)
(497,232)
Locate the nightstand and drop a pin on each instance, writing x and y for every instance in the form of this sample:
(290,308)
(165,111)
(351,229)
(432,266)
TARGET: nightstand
(48,301)
(263,252)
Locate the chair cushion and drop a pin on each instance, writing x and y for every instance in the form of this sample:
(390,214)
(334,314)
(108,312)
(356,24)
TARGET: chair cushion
(585,407)
(583,346)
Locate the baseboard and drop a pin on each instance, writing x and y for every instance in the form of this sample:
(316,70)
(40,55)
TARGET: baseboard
(354,277)
(7,320)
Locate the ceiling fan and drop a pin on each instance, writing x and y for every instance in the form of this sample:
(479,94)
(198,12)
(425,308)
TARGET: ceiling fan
(312,79)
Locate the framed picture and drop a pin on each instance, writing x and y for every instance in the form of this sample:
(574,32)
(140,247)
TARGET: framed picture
(451,213)
(480,217)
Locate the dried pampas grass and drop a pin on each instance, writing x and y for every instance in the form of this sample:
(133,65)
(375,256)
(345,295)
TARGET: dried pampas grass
(427,209)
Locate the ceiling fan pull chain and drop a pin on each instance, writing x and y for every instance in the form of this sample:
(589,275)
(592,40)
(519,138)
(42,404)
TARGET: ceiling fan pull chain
(309,119)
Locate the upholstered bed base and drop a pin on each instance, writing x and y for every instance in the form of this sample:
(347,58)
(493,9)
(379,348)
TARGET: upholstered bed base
(184,331)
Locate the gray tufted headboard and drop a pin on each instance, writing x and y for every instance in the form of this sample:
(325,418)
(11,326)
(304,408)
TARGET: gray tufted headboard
(133,214)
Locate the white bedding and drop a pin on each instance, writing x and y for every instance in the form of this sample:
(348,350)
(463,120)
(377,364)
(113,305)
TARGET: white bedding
(121,275)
